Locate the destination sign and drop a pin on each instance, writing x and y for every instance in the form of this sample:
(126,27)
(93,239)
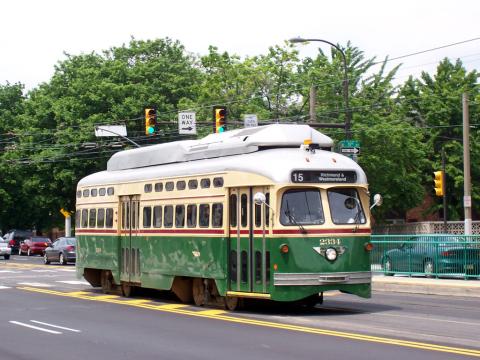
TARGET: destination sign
(319,176)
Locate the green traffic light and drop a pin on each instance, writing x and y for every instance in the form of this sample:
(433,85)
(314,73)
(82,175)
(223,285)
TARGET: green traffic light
(151,130)
(221,129)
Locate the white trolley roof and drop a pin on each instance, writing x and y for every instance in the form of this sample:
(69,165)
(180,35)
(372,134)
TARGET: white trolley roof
(272,151)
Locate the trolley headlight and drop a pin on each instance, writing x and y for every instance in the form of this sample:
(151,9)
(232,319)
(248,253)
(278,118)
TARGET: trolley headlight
(331,254)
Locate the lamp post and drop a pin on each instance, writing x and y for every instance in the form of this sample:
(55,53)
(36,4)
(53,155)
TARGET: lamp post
(348,115)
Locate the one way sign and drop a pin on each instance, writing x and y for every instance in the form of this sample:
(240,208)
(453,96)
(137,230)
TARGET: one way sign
(187,123)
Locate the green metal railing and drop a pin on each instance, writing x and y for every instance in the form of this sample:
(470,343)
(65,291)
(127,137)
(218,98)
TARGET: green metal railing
(428,255)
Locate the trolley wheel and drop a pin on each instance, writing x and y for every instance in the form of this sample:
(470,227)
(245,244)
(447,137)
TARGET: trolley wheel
(127,289)
(106,281)
(231,302)
(198,289)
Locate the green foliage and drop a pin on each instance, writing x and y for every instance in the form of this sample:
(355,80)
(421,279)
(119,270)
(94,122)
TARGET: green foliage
(43,135)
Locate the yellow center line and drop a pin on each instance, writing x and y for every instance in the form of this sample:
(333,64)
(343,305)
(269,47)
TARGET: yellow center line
(218,315)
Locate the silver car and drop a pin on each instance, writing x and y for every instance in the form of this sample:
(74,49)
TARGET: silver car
(5,250)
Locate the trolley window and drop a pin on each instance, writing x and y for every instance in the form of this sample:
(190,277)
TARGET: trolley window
(168,216)
(92,218)
(217,215)
(243,209)
(86,193)
(77,219)
(147,188)
(79,194)
(84,218)
(102,191)
(267,209)
(192,184)
(258,215)
(94,192)
(110,191)
(233,210)
(157,216)
(301,207)
(169,186)
(204,212)
(218,182)
(109,218)
(158,187)
(101,218)
(205,183)
(181,185)
(192,216)
(345,206)
(180,216)
(147,217)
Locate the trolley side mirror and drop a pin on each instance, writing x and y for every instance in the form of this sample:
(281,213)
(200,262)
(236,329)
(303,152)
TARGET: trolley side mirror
(259,198)
(377,201)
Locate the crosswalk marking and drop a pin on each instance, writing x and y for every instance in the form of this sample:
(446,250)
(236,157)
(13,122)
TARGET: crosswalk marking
(4,287)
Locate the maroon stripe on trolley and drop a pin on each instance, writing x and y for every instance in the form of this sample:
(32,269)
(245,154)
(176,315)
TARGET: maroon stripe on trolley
(324,231)
(98,231)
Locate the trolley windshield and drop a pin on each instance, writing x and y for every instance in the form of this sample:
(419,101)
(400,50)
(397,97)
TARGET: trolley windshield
(301,207)
(345,206)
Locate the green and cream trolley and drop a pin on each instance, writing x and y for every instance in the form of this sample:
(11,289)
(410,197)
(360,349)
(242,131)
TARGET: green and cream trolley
(267,212)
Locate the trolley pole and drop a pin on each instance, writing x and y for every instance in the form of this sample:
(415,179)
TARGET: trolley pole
(467,185)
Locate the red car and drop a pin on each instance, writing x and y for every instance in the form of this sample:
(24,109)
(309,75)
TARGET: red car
(34,245)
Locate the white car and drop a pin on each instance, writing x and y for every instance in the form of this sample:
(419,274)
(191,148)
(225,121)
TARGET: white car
(5,250)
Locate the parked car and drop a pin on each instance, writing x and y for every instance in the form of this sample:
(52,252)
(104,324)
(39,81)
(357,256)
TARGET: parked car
(14,237)
(5,250)
(63,250)
(430,256)
(34,245)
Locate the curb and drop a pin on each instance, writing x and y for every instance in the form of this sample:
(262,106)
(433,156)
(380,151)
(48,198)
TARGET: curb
(467,288)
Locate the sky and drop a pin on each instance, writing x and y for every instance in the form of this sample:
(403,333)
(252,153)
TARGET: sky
(35,35)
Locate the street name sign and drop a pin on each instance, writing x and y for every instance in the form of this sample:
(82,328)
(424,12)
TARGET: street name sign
(187,123)
(110,130)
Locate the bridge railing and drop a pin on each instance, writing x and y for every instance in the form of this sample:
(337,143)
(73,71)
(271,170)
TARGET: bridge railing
(434,255)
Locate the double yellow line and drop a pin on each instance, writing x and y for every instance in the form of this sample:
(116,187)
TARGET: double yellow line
(225,316)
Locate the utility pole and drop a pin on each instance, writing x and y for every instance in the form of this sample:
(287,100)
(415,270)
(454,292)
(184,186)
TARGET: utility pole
(313,98)
(467,185)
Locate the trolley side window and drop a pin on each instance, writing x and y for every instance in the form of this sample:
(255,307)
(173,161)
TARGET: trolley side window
(77,219)
(180,216)
(204,212)
(147,217)
(109,218)
(84,218)
(217,215)
(243,210)
(168,216)
(92,219)
(301,207)
(345,206)
(101,218)
(157,216)
(192,216)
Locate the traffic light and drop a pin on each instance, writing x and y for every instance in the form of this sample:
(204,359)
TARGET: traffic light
(220,119)
(438,181)
(150,121)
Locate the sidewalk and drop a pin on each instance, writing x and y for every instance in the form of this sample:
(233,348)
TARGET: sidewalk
(419,285)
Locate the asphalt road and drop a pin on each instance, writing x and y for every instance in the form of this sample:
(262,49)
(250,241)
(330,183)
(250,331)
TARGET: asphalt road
(46,313)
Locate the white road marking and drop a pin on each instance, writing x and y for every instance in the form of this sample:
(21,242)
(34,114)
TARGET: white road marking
(44,271)
(34,284)
(10,271)
(68,270)
(35,327)
(55,326)
(73,282)
(4,287)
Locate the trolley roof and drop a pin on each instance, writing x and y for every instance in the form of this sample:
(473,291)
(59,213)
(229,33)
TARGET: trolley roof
(235,142)
(273,154)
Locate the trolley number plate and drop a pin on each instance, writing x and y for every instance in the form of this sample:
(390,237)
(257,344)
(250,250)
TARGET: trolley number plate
(316,176)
